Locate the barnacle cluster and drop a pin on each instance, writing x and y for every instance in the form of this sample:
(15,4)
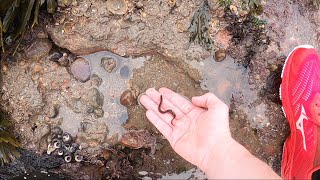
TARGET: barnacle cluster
(62,144)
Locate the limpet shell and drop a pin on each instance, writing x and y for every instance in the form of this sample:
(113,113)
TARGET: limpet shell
(119,7)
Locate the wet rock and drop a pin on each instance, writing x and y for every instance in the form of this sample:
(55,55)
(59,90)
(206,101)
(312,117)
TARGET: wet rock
(119,7)
(98,113)
(273,85)
(64,60)
(125,72)
(38,49)
(80,70)
(128,98)
(56,132)
(64,3)
(138,139)
(96,80)
(139,5)
(92,134)
(108,64)
(95,98)
(55,56)
(81,172)
(220,55)
(53,112)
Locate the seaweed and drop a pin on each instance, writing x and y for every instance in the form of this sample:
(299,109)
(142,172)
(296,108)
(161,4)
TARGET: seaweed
(225,3)
(8,143)
(254,6)
(199,27)
(15,15)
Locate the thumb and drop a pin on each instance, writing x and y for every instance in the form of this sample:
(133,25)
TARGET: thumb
(208,100)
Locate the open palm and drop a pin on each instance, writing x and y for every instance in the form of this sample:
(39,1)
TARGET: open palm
(199,127)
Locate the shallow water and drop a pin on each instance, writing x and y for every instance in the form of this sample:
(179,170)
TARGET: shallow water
(229,81)
(112,86)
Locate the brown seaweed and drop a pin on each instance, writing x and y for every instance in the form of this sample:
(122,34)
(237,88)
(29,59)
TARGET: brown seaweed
(199,28)
(8,143)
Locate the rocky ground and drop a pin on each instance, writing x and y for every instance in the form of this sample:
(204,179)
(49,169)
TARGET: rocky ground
(79,73)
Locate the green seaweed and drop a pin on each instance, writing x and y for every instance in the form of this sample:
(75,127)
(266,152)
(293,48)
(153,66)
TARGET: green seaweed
(24,17)
(254,6)
(10,15)
(316,3)
(199,27)
(15,15)
(225,3)
(1,36)
(8,143)
(51,5)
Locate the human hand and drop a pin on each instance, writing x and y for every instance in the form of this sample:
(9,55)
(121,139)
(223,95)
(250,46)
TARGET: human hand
(200,128)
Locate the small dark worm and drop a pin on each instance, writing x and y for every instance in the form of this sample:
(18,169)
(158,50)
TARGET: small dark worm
(166,111)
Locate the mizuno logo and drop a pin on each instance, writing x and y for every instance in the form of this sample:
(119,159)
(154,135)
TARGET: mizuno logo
(299,124)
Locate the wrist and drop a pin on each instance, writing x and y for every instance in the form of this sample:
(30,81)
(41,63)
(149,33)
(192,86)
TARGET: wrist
(217,153)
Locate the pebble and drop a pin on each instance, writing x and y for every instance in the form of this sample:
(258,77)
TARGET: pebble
(119,7)
(139,5)
(53,112)
(220,55)
(108,64)
(55,56)
(127,98)
(38,49)
(143,173)
(80,70)
(98,113)
(125,72)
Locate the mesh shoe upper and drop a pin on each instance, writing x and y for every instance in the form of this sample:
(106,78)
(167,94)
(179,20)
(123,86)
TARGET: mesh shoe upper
(300,92)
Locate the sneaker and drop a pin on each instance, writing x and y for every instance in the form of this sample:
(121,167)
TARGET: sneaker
(300,93)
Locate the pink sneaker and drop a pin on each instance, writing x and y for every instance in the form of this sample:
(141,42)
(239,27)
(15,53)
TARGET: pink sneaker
(300,92)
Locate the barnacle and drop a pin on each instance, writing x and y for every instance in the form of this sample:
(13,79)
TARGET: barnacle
(66,137)
(8,143)
(67,158)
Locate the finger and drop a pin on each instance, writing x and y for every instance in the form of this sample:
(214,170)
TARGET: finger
(161,125)
(182,103)
(209,100)
(149,104)
(166,104)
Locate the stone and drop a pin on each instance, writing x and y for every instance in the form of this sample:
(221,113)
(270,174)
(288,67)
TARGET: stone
(80,69)
(38,49)
(125,72)
(108,64)
(119,7)
(127,98)
(220,55)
